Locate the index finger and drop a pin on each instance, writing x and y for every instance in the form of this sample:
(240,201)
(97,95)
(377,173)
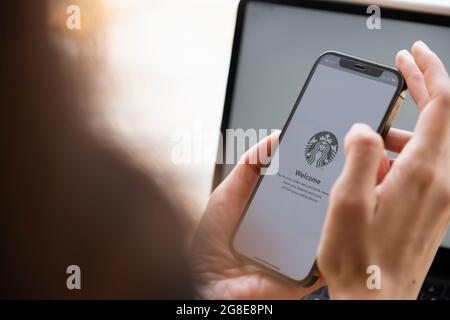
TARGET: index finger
(436,77)
(243,178)
(433,125)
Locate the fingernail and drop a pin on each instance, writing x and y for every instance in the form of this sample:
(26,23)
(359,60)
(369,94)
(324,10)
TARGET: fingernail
(407,54)
(360,127)
(422,45)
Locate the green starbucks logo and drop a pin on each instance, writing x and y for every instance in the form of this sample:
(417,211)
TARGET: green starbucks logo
(321,149)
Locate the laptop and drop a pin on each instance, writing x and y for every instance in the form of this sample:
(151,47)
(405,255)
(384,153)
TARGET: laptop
(277,41)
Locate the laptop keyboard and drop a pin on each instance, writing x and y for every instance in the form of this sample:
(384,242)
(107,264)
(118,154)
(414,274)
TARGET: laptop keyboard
(432,289)
(320,294)
(435,290)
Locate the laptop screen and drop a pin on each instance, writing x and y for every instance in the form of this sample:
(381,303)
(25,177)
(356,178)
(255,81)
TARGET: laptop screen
(280,44)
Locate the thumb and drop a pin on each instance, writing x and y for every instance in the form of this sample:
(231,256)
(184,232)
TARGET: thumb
(243,178)
(351,201)
(364,151)
(385,166)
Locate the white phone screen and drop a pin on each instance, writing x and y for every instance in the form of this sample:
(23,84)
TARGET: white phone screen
(283,223)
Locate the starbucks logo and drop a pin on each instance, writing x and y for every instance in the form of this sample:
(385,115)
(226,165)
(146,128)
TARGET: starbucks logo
(321,149)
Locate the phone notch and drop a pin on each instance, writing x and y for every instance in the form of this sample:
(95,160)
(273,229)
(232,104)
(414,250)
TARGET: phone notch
(360,67)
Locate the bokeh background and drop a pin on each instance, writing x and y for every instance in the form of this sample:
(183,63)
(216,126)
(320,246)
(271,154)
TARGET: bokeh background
(169,60)
(160,67)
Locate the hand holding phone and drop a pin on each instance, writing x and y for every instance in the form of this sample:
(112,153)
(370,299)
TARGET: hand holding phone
(216,271)
(219,274)
(393,227)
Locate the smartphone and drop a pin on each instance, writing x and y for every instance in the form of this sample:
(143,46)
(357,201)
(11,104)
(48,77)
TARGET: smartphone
(282,223)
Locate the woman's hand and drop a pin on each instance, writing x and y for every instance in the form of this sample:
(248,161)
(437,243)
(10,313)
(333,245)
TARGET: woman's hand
(394,215)
(218,273)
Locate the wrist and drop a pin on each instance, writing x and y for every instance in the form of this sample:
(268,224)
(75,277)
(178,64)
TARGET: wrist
(357,293)
(388,291)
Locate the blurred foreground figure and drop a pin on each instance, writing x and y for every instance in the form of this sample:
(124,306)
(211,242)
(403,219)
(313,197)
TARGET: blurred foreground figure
(70,198)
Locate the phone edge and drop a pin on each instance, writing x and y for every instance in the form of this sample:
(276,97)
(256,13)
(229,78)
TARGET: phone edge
(382,129)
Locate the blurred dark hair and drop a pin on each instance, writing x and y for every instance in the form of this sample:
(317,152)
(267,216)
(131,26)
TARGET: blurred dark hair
(70,197)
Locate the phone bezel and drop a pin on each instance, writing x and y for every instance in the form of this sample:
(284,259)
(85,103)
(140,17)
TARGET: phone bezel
(312,276)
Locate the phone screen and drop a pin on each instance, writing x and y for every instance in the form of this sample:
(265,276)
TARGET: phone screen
(282,225)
